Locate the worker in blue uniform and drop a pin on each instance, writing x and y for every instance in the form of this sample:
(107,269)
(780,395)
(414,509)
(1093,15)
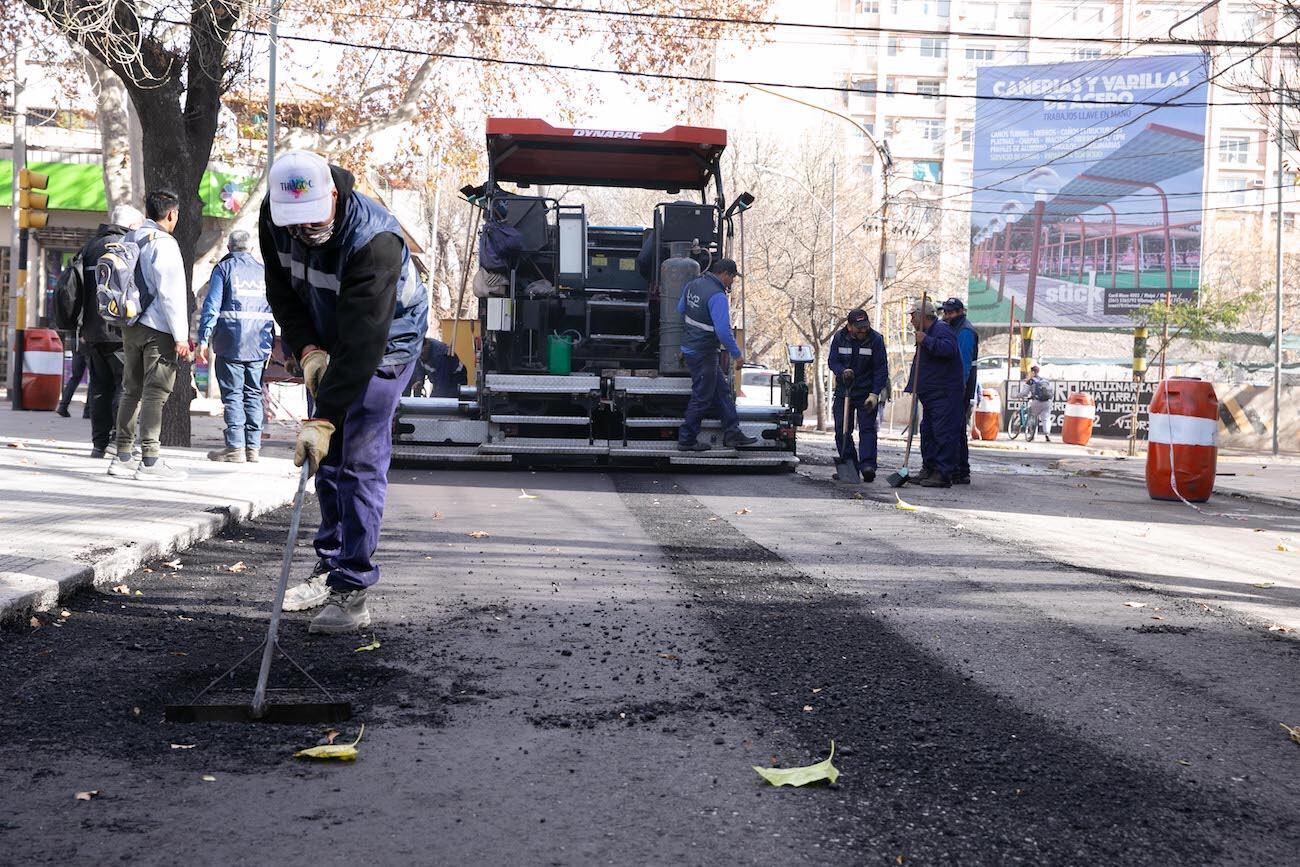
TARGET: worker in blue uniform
(860,366)
(968,342)
(706,330)
(939,382)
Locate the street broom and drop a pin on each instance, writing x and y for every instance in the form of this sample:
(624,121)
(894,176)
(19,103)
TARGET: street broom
(260,708)
(902,475)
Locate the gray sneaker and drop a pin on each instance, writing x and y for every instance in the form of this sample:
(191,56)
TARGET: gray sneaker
(251,455)
(311,593)
(345,611)
(229,456)
(123,469)
(162,471)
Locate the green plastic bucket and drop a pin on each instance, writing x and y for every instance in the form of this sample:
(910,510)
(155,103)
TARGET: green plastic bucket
(559,355)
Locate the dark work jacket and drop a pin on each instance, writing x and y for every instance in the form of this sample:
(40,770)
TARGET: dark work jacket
(968,341)
(93,328)
(498,245)
(357,296)
(865,357)
(938,365)
(442,368)
(242,328)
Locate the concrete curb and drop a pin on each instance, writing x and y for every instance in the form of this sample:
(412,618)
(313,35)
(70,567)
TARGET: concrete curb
(1219,489)
(46,582)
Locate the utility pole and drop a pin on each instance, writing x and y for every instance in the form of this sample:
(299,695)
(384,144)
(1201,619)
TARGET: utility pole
(270,88)
(17,301)
(886,164)
(1277,274)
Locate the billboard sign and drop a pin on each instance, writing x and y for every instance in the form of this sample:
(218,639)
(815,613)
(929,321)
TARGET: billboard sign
(1112,399)
(1088,198)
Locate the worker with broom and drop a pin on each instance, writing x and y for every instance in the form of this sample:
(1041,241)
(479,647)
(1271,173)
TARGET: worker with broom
(858,362)
(939,382)
(345,293)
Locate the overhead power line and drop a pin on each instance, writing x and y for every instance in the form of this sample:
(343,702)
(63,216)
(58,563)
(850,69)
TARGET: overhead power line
(851,28)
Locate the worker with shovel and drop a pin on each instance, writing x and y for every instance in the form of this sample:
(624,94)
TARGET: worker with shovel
(342,286)
(860,366)
(942,392)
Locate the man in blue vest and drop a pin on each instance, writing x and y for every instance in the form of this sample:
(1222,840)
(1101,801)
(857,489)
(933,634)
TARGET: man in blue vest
(861,369)
(706,330)
(346,296)
(939,382)
(235,332)
(968,341)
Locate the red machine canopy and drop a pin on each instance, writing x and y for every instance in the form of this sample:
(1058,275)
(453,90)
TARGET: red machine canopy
(530,151)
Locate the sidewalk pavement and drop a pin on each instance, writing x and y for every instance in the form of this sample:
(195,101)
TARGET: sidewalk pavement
(66,524)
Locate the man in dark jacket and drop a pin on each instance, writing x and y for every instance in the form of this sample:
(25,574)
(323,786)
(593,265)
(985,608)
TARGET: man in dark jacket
(968,341)
(236,321)
(101,344)
(858,361)
(346,295)
(940,384)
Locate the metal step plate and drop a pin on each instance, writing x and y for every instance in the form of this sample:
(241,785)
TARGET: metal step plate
(655,422)
(653,384)
(541,419)
(529,384)
(742,459)
(661,450)
(545,446)
(451,454)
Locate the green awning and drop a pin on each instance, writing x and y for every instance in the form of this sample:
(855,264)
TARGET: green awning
(80,187)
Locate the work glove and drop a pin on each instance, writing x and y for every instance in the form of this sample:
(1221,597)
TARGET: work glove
(872,401)
(313,444)
(313,369)
(846,377)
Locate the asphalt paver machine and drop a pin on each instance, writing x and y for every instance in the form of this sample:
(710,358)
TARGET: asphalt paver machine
(574,356)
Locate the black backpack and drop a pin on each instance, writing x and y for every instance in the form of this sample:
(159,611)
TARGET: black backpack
(67,295)
(1042,390)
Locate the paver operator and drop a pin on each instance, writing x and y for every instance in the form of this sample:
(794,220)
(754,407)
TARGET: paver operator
(706,330)
(346,296)
(858,361)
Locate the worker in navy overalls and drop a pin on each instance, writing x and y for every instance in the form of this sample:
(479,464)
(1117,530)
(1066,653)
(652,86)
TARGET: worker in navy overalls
(345,293)
(235,335)
(706,330)
(861,369)
(968,342)
(939,382)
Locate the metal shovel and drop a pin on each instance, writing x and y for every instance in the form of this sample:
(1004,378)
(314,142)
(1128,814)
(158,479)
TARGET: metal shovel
(261,709)
(846,468)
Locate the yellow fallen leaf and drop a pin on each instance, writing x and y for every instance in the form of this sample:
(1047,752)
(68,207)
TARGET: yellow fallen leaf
(902,506)
(139,593)
(524,495)
(1285,548)
(479,534)
(174,564)
(208,778)
(86,796)
(373,645)
(744,511)
(238,567)
(437,516)
(123,589)
(801,776)
(1263,585)
(1135,605)
(1293,732)
(807,708)
(342,752)
(35,623)
(65,613)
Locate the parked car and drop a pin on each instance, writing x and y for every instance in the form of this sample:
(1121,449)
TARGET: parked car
(757,386)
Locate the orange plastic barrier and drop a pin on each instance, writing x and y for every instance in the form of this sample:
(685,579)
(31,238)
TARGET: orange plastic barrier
(1080,415)
(1183,440)
(988,416)
(42,369)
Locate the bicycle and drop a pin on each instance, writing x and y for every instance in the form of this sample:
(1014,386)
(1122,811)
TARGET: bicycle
(1022,421)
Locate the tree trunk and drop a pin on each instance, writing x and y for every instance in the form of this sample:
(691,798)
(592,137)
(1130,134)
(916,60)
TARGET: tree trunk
(819,386)
(112,113)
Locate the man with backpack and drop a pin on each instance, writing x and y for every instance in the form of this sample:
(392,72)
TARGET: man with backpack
(1038,390)
(141,283)
(348,300)
(237,321)
(101,344)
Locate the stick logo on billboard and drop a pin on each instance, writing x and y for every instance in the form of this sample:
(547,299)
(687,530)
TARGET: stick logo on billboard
(1088,201)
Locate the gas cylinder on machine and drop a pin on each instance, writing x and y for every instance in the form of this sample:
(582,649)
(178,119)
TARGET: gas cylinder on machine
(674,273)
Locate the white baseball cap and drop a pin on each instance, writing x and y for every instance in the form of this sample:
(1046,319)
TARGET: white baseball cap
(301,189)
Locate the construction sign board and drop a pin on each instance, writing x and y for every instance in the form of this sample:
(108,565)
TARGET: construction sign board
(1088,198)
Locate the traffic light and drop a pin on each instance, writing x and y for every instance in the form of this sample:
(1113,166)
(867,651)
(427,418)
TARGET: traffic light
(32,204)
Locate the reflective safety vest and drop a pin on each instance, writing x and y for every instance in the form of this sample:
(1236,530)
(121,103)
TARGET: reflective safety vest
(243,330)
(317,273)
(698,334)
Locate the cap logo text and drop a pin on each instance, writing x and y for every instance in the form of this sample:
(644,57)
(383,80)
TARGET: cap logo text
(296,187)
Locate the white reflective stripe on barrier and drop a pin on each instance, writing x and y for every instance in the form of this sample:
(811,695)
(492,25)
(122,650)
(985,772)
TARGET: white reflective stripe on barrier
(1080,410)
(1183,430)
(44,363)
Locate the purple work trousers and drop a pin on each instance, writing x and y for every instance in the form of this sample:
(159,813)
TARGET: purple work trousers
(353,480)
